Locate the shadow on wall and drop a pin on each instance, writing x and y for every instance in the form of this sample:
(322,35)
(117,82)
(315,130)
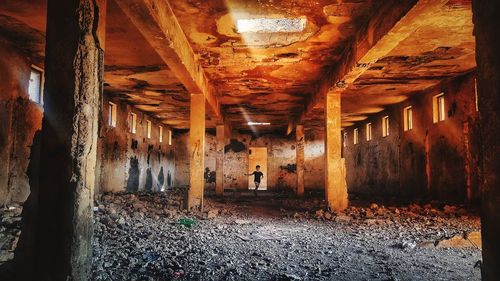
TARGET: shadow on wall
(413,176)
(161,180)
(133,175)
(235,145)
(448,180)
(149,180)
(133,178)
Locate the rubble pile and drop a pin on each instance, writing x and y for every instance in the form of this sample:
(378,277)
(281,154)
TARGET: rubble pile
(149,237)
(10,229)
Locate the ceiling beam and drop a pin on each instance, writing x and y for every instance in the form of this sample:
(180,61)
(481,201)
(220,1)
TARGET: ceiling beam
(384,31)
(158,24)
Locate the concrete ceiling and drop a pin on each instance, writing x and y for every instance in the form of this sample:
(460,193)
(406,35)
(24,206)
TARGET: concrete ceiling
(432,42)
(137,74)
(382,51)
(269,77)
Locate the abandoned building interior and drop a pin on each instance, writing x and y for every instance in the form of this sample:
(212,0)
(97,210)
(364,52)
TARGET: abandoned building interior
(130,133)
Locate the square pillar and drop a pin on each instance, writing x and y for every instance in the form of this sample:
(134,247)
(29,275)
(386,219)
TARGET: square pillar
(299,136)
(196,152)
(219,161)
(63,203)
(486,15)
(335,187)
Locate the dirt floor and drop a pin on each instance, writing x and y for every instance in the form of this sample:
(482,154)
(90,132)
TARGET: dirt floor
(144,237)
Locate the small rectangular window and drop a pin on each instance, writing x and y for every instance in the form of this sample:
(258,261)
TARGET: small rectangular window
(35,90)
(133,123)
(368,131)
(148,128)
(438,108)
(408,118)
(169,137)
(161,134)
(385,126)
(355,136)
(344,139)
(112,114)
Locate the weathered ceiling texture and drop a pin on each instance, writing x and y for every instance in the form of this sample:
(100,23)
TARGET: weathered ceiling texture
(266,76)
(136,73)
(432,42)
(274,60)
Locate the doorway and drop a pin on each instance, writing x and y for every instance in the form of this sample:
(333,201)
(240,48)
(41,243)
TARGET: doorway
(257,156)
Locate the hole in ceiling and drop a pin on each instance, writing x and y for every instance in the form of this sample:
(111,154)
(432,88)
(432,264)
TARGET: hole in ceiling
(395,59)
(270,25)
(287,55)
(441,49)
(258,123)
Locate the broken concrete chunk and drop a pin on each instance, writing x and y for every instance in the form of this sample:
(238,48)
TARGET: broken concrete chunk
(239,221)
(457,241)
(327,216)
(211,214)
(342,218)
(475,238)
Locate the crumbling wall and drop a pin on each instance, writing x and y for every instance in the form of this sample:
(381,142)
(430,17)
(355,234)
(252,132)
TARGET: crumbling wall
(131,161)
(453,144)
(126,161)
(182,159)
(281,172)
(432,160)
(20,119)
(373,166)
(210,160)
(314,165)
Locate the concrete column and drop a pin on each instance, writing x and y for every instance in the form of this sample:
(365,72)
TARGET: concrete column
(335,187)
(219,161)
(196,152)
(299,135)
(486,21)
(73,85)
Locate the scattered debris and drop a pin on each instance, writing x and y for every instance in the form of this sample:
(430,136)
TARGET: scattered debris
(10,229)
(457,241)
(276,239)
(238,221)
(212,214)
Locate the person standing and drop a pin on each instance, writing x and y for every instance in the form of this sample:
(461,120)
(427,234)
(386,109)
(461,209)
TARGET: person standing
(258,175)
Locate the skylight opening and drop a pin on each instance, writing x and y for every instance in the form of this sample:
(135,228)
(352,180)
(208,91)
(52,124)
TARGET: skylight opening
(259,123)
(271,25)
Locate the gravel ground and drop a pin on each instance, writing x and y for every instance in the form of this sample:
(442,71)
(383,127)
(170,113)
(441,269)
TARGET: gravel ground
(139,237)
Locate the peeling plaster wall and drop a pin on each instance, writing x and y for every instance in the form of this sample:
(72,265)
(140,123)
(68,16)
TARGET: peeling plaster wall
(444,154)
(373,166)
(20,119)
(129,161)
(314,149)
(182,159)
